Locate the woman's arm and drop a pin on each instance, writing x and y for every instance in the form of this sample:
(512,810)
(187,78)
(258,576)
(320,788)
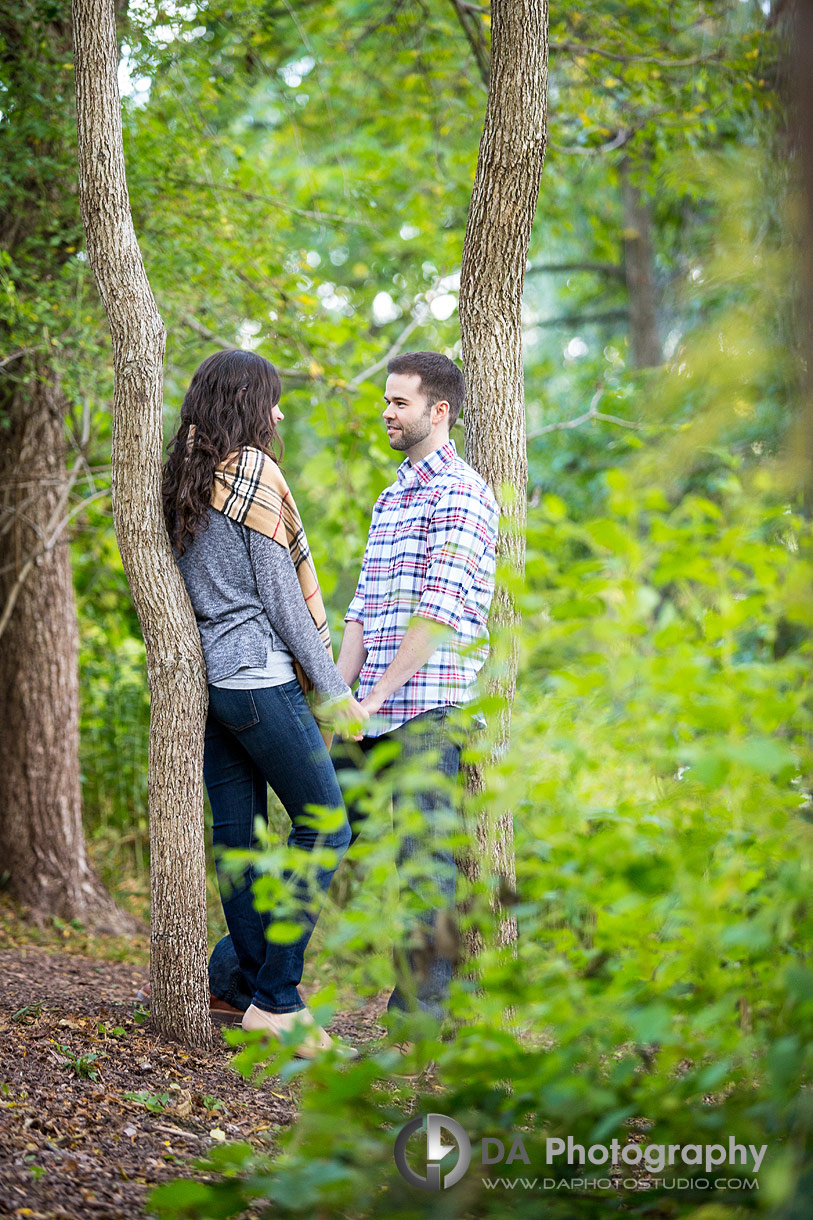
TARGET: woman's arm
(282,599)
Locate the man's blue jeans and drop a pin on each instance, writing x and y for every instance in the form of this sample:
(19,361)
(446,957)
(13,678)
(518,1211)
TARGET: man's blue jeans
(426,866)
(255,738)
(424,817)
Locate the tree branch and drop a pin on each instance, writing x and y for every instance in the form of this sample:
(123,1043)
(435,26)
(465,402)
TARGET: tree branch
(48,544)
(472,29)
(299,375)
(419,318)
(22,351)
(776,14)
(386,19)
(592,319)
(52,531)
(590,414)
(618,141)
(614,269)
(17,511)
(397,346)
(252,197)
(204,332)
(578,48)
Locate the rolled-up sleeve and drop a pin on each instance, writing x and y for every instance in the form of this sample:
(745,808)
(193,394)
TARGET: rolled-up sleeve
(462,531)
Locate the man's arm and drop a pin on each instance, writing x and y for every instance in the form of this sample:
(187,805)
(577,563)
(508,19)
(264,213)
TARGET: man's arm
(461,533)
(421,639)
(352,653)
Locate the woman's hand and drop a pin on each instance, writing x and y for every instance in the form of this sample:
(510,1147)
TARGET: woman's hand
(346,717)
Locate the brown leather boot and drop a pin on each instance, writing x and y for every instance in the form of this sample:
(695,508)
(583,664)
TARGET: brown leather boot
(219,1010)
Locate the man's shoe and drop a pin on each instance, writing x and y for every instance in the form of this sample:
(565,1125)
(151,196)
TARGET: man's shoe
(220,1012)
(278,1024)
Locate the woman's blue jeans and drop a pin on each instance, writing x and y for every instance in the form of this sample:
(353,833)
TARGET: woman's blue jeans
(255,738)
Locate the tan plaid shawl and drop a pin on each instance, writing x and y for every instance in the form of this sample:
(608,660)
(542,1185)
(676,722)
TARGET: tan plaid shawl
(249,488)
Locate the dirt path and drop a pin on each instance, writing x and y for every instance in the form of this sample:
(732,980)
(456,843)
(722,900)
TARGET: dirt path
(73,1147)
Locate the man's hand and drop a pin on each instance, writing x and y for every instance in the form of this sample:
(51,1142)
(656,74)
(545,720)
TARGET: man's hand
(372,703)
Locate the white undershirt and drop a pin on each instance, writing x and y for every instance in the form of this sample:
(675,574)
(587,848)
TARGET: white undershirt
(278,669)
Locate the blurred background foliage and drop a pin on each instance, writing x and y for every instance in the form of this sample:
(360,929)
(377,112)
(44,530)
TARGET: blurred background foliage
(300,175)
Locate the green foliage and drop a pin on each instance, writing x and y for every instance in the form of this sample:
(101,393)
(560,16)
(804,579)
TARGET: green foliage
(27,1015)
(49,308)
(658,780)
(82,1065)
(115,1031)
(691,99)
(114,740)
(288,165)
(156,1103)
(281,181)
(658,773)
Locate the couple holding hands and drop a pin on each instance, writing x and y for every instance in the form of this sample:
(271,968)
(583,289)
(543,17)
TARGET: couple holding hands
(415,639)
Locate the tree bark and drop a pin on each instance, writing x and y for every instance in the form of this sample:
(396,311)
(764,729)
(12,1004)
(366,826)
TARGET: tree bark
(503,203)
(42,845)
(178,976)
(639,267)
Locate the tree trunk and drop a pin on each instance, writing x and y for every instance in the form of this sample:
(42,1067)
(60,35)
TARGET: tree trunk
(178,976)
(639,267)
(42,845)
(503,203)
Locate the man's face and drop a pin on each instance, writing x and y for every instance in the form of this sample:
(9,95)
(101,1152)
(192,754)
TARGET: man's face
(408,415)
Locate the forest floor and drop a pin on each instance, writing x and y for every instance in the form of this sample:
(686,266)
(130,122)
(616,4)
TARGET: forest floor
(75,1147)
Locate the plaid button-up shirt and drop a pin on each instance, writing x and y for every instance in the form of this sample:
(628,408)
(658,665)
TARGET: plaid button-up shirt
(431,552)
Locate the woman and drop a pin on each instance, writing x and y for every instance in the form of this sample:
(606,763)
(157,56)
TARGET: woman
(244,558)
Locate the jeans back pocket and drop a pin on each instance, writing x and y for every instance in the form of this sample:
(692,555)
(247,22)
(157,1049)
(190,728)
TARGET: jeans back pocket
(235,709)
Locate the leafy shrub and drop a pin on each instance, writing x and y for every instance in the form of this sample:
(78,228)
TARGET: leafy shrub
(660,988)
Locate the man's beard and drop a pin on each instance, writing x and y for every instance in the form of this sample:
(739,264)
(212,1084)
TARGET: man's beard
(413,434)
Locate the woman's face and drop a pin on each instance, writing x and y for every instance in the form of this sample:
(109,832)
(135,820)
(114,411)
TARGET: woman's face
(276,414)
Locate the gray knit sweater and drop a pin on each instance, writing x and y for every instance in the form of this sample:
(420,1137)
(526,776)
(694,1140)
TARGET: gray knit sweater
(245,594)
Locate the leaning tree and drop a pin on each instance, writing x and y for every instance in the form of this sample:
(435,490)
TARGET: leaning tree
(178,976)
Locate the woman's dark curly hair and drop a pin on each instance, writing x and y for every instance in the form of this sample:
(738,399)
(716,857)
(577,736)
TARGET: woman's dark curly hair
(229,403)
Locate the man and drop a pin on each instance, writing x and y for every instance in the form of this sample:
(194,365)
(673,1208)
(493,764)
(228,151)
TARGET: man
(417,637)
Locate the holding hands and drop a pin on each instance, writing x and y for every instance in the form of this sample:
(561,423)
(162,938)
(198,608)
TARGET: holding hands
(346,717)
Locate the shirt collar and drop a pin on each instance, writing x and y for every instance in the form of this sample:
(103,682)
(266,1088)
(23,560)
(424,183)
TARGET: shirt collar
(427,467)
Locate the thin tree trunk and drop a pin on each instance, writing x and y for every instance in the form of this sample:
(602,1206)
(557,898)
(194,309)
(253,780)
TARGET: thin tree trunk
(639,266)
(503,203)
(42,845)
(178,977)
